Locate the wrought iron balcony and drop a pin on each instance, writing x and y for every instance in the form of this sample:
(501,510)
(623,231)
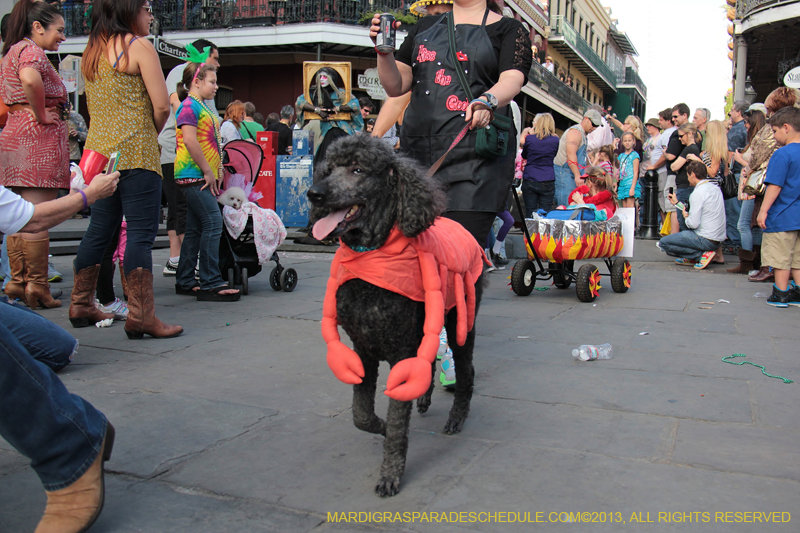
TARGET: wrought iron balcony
(746,7)
(188,15)
(631,77)
(546,81)
(588,62)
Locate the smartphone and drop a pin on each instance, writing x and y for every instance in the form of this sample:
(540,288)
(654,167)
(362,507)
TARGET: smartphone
(672,190)
(113,161)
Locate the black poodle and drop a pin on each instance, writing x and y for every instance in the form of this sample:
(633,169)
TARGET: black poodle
(363,190)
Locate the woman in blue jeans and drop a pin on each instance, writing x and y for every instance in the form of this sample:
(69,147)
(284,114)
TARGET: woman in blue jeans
(539,148)
(128,103)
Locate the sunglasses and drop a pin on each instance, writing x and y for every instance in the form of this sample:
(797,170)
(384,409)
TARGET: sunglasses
(674,117)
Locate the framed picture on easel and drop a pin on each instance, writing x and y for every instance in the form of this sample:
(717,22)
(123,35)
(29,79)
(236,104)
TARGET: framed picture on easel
(327,84)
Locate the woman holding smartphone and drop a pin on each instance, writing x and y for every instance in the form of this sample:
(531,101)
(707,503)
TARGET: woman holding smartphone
(128,103)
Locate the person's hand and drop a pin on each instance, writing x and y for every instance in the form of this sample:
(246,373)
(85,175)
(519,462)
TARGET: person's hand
(577,198)
(632,192)
(51,115)
(616,143)
(211,183)
(375,28)
(73,132)
(102,186)
(579,182)
(685,213)
(692,157)
(479,115)
(672,199)
(762,218)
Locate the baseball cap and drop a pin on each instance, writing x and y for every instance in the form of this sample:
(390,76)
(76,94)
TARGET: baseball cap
(594,116)
(757,107)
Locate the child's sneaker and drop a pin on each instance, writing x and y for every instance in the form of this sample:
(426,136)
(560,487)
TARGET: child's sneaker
(170,269)
(705,260)
(778,298)
(447,377)
(794,294)
(442,344)
(53,275)
(118,308)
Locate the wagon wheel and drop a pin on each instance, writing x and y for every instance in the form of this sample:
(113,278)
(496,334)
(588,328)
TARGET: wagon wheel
(523,277)
(587,284)
(560,280)
(275,278)
(621,275)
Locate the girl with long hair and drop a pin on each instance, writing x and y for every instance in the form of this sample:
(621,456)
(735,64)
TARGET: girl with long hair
(538,177)
(128,103)
(234,115)
(34,158)
(597,189)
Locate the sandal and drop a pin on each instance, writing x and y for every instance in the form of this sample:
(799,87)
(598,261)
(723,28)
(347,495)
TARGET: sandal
(705,260)
(213,295)
(684,262)
(187,292)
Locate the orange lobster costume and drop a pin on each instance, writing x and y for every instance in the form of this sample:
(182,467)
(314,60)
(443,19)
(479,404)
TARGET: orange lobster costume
(438,267)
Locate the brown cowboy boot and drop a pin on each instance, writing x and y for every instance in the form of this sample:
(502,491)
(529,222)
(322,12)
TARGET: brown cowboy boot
(745,262)
(38,289)
(82,311)
(15,288)
(141,308)
(75,508)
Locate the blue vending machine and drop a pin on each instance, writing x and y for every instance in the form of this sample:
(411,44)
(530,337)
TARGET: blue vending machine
(294,178)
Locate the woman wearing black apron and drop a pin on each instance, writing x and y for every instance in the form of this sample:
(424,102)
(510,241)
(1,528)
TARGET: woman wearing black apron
(495,54)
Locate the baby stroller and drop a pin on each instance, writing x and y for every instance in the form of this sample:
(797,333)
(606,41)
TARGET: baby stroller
(241,162)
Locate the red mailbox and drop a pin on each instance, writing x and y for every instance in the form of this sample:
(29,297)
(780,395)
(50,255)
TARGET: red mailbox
(268,140)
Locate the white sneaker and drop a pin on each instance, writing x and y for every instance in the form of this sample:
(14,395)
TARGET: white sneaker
(118,308)
(170,269)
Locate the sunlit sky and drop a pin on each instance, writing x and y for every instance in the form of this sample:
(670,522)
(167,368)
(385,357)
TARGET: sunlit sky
(683,51)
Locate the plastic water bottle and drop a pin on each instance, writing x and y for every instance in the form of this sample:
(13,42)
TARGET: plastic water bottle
(589,352)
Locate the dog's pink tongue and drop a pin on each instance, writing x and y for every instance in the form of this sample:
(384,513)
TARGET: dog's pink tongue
(324,227)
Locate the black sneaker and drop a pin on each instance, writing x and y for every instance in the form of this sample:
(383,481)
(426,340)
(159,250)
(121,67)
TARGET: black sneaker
(794,295)
(497,259)
(170,269)
(778,298)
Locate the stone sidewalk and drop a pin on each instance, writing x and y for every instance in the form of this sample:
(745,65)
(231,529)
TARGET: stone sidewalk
(239,426)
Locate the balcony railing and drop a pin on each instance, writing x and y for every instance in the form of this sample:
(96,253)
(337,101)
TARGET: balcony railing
(745,7)
(546,81)
(180,15)
(631,77)
(559,26)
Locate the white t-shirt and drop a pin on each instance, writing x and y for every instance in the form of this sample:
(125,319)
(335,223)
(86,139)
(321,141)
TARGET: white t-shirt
(167,137)
(657,152)
(601,136)
(15,211)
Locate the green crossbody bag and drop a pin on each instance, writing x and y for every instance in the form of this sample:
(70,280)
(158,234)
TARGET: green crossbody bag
(493,140)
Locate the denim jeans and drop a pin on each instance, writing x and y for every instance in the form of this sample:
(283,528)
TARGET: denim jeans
(687,244)
(538,195)
(47,342)
(748,235)
(203,231)
(733,207)
(138,197)
(683,196)
(564,184)
(60,433)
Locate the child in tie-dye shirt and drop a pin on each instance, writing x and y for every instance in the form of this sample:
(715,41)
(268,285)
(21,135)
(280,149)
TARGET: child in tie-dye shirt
(197,169)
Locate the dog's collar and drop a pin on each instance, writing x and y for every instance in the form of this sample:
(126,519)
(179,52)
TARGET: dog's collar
(363,248)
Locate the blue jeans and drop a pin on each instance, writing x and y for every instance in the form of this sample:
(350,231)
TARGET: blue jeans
(565,184)
(748,235)
(49,343)
(203,231)
(687,244)
(733,208)
(138,197)
(538,195)
(683,196)
(60,433)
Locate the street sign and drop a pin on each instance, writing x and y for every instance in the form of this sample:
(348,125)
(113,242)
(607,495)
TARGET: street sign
(170,48)
(792,78)
(372,83)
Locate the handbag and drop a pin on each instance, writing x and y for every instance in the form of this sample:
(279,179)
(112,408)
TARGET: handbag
(729,186)
(493,140)
(755,182)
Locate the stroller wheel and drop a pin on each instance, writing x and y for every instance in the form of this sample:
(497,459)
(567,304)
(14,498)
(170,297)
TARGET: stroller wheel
(245,282)
(289,279)
(275,278)
(231,278)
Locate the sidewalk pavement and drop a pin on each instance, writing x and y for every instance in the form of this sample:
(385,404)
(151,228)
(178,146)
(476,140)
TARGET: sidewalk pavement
(238,425)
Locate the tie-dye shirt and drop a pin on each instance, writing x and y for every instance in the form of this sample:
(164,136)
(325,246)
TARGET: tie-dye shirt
(193,113)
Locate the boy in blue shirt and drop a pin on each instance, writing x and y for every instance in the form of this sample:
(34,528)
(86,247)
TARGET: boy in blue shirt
(780,212)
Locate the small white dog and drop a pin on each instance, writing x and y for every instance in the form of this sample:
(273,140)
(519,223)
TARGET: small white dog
(232,196)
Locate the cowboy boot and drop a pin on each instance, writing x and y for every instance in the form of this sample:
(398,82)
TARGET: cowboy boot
(745,262)
(38,289)
(75,508)
(82,311)
(15,288)
(764,275)
(141,308)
